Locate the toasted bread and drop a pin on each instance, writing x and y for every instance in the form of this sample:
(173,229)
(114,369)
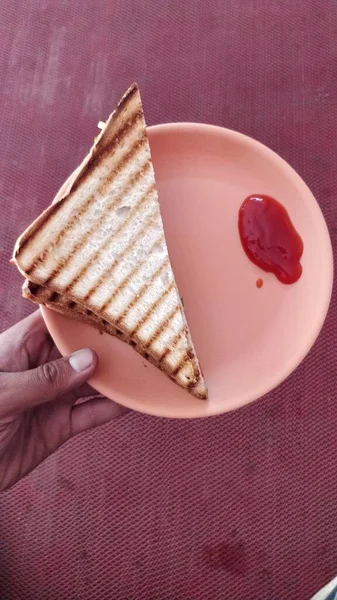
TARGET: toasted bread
(99,253)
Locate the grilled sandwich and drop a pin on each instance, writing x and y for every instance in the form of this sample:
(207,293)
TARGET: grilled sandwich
(99,253)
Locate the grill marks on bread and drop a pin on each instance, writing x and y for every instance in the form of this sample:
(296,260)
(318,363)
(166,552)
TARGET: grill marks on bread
(84,208)
(131,293)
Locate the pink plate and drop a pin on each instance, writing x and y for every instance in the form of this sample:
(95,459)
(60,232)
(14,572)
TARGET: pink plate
(248,339)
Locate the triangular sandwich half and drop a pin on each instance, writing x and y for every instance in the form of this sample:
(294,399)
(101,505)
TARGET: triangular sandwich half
(99,254)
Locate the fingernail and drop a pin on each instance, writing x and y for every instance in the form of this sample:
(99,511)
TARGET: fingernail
(81,360)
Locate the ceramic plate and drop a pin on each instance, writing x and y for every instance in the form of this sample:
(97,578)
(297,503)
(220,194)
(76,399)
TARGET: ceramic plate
(248,339)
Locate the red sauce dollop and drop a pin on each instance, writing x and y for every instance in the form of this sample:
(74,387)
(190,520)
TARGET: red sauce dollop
(269,238)
(259,283)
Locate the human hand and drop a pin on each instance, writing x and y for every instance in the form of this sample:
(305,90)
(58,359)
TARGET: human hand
(38,395)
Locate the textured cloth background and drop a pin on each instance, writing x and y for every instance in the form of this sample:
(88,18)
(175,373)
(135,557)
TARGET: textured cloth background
(241,506)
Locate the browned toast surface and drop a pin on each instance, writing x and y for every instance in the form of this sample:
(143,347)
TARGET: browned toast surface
(99,254)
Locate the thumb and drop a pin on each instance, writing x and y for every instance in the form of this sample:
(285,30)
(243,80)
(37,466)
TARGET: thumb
(20,391)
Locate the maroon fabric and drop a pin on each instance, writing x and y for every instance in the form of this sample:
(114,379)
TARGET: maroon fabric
(238,506)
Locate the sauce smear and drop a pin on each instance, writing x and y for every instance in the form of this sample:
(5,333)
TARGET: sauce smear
(269,238)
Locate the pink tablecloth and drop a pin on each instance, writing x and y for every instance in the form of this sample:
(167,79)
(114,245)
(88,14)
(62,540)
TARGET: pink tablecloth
(241,506)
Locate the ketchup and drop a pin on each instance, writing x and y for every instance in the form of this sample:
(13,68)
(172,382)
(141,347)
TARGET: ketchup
(269,238)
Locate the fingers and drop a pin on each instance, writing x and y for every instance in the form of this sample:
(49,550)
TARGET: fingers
(21,391)
(17,330)
(20,343)
(93,413)
(84,391)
